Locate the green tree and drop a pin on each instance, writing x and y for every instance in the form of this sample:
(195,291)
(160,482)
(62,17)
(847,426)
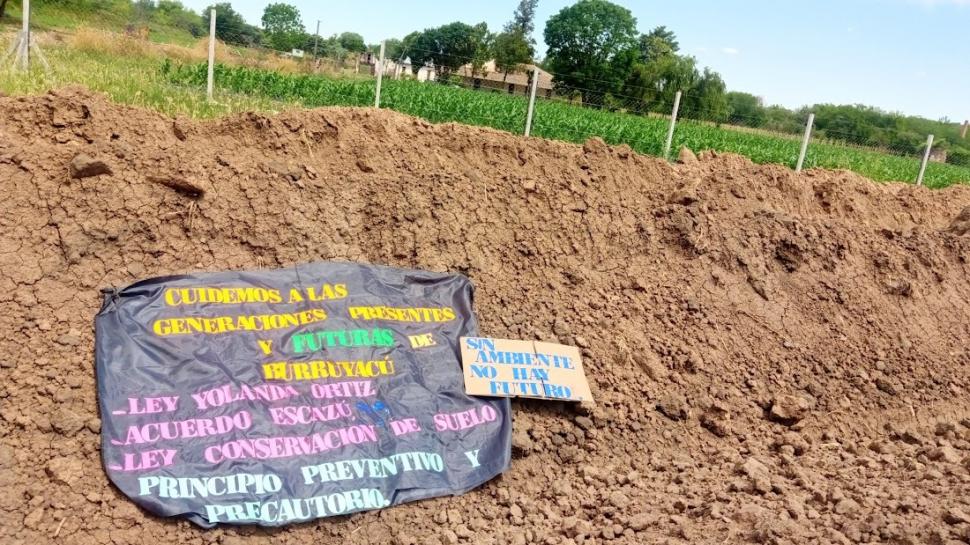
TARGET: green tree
(651,48)
(328,47)
(706,99)
(393,48)
(589,44)
(523,19)
(653,85)
(231,27)
(173,13)
(283,26)
(662,35)
(142,10)
(511,52)
(515,46)
(745,109)
(353,42)
(484,46)
(448,47)
(3,8)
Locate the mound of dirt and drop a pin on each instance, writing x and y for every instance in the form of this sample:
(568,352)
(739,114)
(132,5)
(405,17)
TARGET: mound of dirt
(777,357)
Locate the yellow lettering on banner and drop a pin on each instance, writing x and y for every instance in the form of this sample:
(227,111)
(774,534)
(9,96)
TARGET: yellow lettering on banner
(319,369)
(267,346)
(421,341)
(408,314)
(220,296)
(228,324)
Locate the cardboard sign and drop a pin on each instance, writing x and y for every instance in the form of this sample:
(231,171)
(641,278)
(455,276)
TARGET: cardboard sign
(510,368)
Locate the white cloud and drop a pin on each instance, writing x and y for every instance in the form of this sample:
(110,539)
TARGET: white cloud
(730,50)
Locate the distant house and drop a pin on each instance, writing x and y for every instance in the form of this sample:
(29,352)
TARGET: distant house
(514,83)
(398,69)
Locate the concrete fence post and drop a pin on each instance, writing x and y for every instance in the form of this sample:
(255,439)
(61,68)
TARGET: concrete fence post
(805,139)
(316,40)
(926,159)
(670,130)
(23,52)
(210,79)
(530,112)
(380,76)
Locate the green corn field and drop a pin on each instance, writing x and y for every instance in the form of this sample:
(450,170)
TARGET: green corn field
(560,120)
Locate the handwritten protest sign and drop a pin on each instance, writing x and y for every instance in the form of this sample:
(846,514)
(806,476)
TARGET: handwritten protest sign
(510,368)
(271,397)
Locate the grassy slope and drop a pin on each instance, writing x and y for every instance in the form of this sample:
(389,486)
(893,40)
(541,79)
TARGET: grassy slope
(58,17)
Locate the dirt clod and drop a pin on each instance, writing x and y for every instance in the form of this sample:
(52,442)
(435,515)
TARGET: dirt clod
(758,474)
(956,516)
(686,156)
(961,224)
(674,407)
(788,409)
(85,166)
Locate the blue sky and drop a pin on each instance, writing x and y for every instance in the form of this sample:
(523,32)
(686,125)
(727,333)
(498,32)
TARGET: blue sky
(911,56)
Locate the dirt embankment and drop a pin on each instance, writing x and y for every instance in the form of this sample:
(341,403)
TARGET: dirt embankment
(777,357)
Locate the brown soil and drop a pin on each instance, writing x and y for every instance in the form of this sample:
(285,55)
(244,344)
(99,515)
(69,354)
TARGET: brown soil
(777,357)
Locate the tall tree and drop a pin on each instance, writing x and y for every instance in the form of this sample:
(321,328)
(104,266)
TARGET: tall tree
(3,7)
(511,52)
(283,26)
(653,84)
(351,41)
(448,47)
(706,99)
(523,19)
(515,46)
(653,48)
(745,109)
(589,44)
(484,44)
(666,36)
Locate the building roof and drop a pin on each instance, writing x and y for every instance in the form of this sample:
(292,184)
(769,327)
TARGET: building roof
(519,77)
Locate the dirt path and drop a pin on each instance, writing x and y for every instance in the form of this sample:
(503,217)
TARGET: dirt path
(778,357)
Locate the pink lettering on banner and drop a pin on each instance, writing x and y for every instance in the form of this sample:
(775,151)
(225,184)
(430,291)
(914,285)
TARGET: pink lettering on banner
(148,459)
(231,393)
(305,414)
(465,419)
(150,405)
(350,388)
(185,429)
(405,426)
(265,448)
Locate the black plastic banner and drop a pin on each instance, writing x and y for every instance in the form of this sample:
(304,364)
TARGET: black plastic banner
(277,396)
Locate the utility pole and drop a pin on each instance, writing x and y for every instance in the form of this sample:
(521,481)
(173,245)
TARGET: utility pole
(316,39)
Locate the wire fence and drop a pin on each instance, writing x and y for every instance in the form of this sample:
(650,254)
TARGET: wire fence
(443,88)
